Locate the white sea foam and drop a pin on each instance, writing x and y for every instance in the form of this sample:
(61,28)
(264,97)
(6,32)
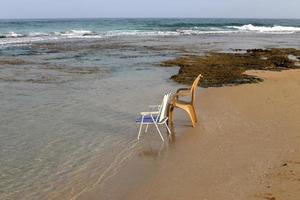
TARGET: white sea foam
(15,38)
(11,35)
(167,33)
(37,34)
(75,33)
(18,38)
(201,32)
(23,40)
(140,33)
(266,29)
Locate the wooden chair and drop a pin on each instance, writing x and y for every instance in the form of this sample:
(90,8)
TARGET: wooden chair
(188,106)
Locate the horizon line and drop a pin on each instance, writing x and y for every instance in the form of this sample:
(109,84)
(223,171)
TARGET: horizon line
(59,18)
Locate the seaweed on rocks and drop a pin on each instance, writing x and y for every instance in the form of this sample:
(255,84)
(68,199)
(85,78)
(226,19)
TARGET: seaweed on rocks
(221,69)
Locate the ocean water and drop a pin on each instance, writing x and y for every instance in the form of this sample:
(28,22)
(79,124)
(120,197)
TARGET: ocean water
(70,90)
(23,31)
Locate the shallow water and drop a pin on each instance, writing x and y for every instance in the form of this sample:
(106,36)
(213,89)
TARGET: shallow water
(68,106)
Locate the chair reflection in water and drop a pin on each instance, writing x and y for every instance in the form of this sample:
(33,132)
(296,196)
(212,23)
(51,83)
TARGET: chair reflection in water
(188,106)
(155,117)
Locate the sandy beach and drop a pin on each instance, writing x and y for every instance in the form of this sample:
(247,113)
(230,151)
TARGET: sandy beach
(246,145)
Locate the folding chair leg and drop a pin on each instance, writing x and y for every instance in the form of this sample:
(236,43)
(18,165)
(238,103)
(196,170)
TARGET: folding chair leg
(140,130)
(159,132)
(169,131)
(146,128)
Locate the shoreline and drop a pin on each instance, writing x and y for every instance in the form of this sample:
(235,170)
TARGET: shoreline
(245,146)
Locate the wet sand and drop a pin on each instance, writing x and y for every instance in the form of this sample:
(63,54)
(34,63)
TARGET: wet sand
(246,145)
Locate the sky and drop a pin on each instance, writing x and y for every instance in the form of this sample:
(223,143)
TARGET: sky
(10,9)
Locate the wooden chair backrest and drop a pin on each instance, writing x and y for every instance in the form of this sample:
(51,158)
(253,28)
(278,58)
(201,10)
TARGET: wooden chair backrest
(194,88)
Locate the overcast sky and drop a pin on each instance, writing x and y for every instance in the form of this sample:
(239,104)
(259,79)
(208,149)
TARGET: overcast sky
(149,8)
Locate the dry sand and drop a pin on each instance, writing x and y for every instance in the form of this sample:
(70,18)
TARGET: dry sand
(246,146)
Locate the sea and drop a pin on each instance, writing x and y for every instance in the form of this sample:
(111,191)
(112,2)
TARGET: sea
(71,89)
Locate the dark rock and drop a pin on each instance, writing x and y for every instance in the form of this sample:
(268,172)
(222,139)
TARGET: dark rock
(221,69)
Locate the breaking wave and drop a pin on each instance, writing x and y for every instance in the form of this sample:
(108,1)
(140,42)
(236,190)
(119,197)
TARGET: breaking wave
(11,35)
(71,33)
(17,38)
(267,29)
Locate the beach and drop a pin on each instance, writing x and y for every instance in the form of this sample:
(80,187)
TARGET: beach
(71,90)
(246,145)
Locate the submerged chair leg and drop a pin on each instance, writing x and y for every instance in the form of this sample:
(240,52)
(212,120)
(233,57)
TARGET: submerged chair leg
(169,131)
(157,128)
(159,132)
(140,130)
(192,117)
(170,117)
(146,128)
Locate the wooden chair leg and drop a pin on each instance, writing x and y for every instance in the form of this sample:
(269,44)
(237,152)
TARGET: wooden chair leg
(195,114)
(170,118)
(193,118)
(191,115)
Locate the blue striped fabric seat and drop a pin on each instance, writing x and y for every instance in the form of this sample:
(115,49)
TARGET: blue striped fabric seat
(147,119)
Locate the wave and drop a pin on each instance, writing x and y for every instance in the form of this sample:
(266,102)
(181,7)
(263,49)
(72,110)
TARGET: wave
(140,33)
(199,24)
(71,33)
(178,32)
(11,35)
(205,32)
(90,34)
(267,29)
(196,30)
(20,38)
(75,33)
(16,38)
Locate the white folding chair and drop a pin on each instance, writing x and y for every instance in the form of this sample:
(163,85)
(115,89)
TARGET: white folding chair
(156,117)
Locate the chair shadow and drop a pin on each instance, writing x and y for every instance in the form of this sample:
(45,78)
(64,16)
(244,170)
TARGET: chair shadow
(152,152)
(155,149)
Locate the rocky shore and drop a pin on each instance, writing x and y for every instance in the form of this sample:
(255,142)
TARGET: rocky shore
(221,69)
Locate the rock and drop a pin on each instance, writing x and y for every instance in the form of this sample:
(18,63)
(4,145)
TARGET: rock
(221,69)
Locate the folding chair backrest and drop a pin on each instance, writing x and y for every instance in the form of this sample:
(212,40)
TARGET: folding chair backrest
(163,108)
